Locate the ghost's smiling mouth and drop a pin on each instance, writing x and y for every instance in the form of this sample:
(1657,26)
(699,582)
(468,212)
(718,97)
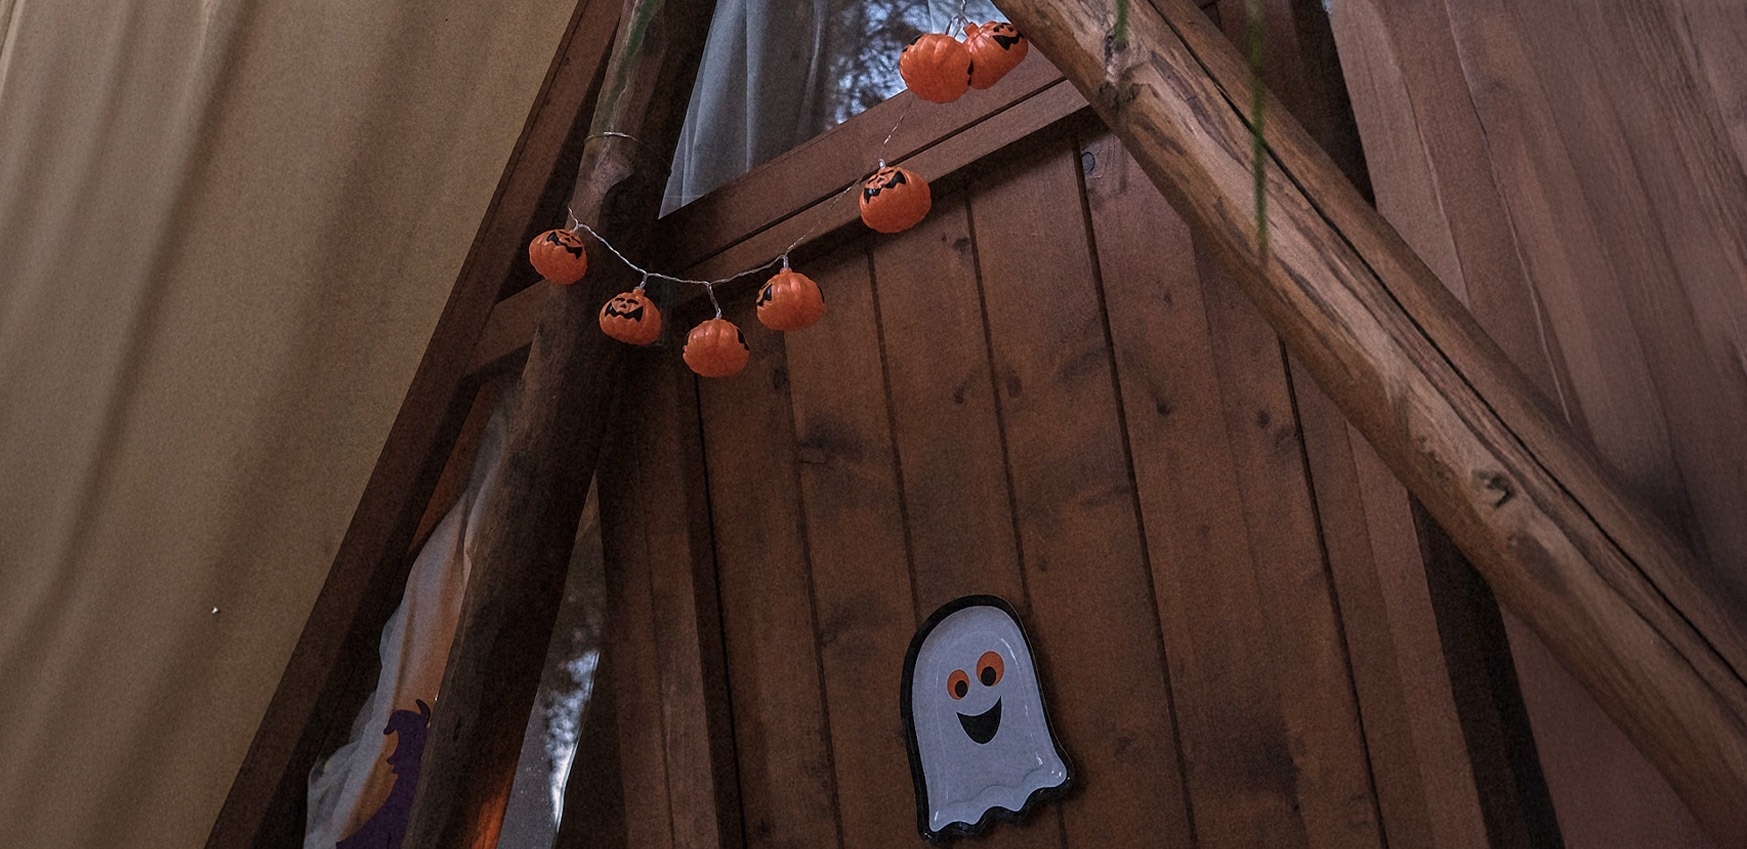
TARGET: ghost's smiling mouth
(982,727)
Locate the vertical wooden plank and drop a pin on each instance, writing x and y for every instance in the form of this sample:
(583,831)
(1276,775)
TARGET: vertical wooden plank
(1434,807)
(1223,454)
(855,539)
(1242,778)
(632,652)
(1318,704)
(945,424)
(947,433)
(788,794)
(671,512)
(1085,562)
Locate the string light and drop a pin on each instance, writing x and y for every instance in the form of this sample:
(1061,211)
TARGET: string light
(577,224)
(893,200)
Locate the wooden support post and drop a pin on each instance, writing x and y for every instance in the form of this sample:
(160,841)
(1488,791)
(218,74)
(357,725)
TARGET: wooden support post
(554,437)
(1558,541)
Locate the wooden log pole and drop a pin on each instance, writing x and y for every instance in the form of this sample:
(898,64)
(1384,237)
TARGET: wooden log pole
(1560,543)
(554,437)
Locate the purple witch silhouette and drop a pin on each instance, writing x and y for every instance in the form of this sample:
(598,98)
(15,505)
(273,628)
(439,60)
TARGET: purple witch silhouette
(387,827)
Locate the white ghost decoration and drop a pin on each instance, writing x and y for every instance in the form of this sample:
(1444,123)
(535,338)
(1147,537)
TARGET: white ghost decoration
(980,740)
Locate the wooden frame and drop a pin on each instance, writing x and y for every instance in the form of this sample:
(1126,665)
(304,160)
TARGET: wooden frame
(1611,590)
(748,221)
(481,332)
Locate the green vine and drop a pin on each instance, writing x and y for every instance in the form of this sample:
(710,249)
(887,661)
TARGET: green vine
(1258,146)
(643,15)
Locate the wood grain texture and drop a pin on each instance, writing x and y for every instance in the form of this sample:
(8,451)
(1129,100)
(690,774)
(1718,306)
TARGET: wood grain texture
(856,545)
(1293,585)
(552,443)
(1075,501)
(1607,160)
(945,422)
(680,777)
(788,792)
(1232,530)
(947,432)
(1238,761)
(265,804)
(1559,542)
(1472,793)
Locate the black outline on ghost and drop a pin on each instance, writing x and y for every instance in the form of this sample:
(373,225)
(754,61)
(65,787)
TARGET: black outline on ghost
(1042,794)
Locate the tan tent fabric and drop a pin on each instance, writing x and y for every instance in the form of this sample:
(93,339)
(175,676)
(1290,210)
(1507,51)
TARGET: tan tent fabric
(226,230)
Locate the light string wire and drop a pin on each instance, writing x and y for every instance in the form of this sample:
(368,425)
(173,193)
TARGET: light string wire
(959,17)
(710,285)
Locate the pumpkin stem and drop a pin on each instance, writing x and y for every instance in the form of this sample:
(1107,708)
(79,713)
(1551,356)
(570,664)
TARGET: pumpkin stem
(644,282)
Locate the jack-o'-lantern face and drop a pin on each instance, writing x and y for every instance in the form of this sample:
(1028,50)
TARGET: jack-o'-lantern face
(894,199)
(566,241)
(1004,34)
(996,48)
(883,179)
(624,306)
(559,256)
(631,317)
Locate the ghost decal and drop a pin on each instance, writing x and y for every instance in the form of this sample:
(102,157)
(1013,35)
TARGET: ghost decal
(980,742)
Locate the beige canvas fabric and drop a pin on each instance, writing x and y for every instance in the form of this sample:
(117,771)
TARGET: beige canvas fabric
(226,230)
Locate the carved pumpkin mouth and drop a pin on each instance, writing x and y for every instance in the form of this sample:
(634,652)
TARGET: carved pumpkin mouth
(567,241)
(981,728)
(882,181)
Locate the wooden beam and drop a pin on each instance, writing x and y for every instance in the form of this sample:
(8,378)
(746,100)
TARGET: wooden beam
(265,806)
(1559,542)
(744,234)
(554,437)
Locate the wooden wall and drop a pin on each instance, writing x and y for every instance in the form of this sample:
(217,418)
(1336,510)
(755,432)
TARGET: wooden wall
(1575,172)
(1045,391)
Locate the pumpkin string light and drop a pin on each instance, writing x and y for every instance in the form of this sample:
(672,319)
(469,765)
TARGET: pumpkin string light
(892,199)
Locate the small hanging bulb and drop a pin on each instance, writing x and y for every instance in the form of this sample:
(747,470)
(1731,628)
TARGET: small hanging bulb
(790,301)
(716,348)
(631,317)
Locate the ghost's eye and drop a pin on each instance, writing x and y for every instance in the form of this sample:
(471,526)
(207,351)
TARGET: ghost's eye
(958,684)
(990,669)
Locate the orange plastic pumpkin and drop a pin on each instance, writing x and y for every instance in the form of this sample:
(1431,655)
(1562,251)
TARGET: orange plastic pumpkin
(716,348)
(936,67)
(996,48)
(631,317)
(558,256)
(790,301)
(894,200)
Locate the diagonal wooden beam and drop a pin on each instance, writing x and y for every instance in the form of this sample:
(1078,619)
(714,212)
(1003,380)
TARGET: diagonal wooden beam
(553,437)
(1560,543)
